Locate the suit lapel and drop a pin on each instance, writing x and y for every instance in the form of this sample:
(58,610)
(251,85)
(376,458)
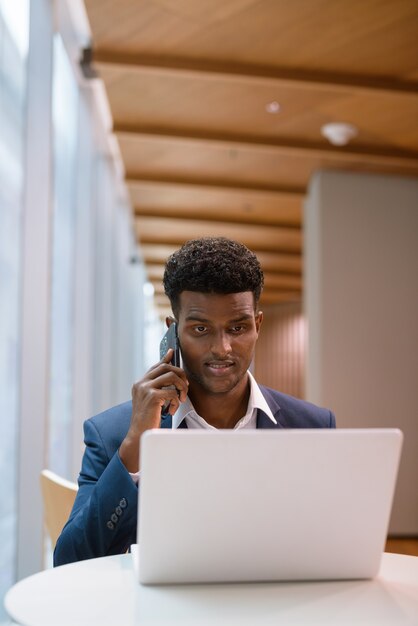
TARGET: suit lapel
(263,420)
(166,420)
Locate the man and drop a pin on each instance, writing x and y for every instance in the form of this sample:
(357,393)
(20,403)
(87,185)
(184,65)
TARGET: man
(214,285)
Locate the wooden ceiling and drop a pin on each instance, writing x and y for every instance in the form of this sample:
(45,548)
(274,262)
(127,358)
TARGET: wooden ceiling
(188,82)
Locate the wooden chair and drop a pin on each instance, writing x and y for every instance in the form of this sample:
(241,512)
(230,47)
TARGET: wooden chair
(58,496)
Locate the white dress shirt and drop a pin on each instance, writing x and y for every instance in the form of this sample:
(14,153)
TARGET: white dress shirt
(187,412)
(249,420)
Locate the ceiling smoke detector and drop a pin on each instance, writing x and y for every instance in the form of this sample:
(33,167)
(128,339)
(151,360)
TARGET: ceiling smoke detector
(339,133)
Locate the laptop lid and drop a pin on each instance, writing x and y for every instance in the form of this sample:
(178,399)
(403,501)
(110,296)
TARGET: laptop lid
(259,505)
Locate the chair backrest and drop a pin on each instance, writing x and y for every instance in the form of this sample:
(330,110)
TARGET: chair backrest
(58,496)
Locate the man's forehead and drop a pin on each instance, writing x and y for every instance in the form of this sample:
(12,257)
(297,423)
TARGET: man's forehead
(229,305)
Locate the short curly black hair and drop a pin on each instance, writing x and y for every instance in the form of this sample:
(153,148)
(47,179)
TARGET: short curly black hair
(212,265)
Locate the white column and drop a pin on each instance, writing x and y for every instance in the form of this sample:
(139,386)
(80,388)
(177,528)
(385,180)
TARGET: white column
(84,283)
(103,283)
(124,307)
(361,261)
(35,292)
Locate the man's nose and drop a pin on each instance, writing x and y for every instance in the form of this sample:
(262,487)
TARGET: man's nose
(221,345)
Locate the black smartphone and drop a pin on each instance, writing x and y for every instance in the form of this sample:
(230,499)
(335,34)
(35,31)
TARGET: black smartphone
(170,340)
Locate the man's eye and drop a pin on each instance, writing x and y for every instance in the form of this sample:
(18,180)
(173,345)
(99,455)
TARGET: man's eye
(237,329)
(200,329)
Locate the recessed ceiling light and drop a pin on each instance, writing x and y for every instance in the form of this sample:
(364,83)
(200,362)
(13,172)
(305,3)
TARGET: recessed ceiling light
(339,133)
(273,107)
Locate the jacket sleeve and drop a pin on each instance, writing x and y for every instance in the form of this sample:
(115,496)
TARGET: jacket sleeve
(104,516)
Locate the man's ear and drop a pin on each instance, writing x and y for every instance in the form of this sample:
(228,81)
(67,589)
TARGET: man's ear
(258,320)
(169,320)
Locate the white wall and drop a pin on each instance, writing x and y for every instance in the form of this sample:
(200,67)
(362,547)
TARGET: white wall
(361,302)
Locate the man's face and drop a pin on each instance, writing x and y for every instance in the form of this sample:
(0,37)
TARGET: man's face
(217,335)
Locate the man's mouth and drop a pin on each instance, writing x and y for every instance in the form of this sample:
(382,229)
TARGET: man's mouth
(220,366)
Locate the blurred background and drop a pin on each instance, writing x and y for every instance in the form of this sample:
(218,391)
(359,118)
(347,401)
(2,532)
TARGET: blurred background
(130,126)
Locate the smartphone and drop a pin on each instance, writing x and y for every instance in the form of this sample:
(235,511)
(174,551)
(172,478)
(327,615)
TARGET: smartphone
(170,340)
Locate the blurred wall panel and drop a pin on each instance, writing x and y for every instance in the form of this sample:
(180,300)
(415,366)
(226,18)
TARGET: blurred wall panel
(280,355)
(361,297)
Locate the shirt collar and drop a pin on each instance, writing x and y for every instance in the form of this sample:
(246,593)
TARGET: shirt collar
(256,401)
(184,409)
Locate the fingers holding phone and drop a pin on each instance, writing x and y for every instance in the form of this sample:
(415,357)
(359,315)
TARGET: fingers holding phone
(163,387)
(164,378)
(164,384)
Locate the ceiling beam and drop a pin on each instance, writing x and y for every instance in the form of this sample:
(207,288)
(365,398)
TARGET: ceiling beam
(133,179)
(270,261)
(161,230)
(216,203)
(279,76)
(295,149)
(194,187)
(278,217)
(267,297)
(279,281)
(271,280)
(274,297)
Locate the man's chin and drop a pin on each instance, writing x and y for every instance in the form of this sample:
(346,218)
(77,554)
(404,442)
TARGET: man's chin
(218,387)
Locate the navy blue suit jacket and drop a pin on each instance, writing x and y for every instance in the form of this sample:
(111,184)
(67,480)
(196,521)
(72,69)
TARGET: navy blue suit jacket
(104,516)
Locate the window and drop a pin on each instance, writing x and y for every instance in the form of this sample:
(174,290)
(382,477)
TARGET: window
(14,40)
(64,113)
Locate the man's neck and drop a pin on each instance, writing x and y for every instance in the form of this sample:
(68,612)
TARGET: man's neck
(222,410)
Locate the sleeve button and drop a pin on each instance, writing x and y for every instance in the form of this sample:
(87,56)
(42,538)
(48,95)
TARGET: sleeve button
(118,510)
(110,525)
(123,504)
(114,518)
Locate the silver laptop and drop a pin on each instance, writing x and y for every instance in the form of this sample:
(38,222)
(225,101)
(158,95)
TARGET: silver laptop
(260,505)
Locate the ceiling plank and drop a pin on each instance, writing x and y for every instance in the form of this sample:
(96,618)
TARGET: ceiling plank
(243,186)
(235,164)
(138,98)
(168,231)
(270,261)
(271,281)
(216,203)
(280,76)
(294,149)
(186,186)
(274,297)
(267,297)
(269,291)
(279,281)
(248,214)
(365,38)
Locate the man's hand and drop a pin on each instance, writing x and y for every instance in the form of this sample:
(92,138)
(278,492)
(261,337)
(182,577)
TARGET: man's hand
(148,397)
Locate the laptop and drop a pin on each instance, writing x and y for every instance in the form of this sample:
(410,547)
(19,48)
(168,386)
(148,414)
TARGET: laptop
(264,505)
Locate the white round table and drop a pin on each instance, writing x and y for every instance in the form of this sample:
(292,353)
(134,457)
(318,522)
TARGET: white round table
(105,591)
